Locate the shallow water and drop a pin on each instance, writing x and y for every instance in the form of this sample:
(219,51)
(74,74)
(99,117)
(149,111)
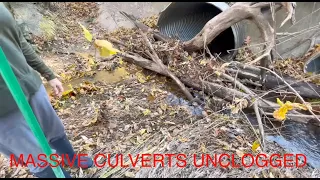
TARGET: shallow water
(296,138)
(300,138)
(104,76)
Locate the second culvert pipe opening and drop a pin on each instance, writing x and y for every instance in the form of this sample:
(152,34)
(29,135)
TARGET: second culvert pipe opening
(184,20)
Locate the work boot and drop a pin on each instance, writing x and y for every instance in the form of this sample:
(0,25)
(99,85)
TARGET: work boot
(64,148)
(48,173)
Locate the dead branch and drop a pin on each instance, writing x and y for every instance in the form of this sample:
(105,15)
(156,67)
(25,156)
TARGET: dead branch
(290,7)
(236,13)
(245,67)
(305,89)
(154,56)
(255,104)
(293,90)
(208,87)
(157,60)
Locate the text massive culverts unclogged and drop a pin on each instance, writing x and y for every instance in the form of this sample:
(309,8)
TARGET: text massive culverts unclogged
(167,160)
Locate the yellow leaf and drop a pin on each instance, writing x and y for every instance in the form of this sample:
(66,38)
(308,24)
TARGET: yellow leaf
(255,145)
(67,92)
(281,113)
(279,102)
(146,112)
(140,77)
(63,75)
(120,61)
(142,131)
(203,148)
(184,140)
(91,62)
(70,86)
(163,107)
(105,48)
(203,62)
(86,33)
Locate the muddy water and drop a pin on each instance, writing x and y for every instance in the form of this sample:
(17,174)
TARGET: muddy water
(104,76)
(292,136)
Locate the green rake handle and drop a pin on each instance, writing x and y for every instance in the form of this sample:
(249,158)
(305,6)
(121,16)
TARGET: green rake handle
(18,95)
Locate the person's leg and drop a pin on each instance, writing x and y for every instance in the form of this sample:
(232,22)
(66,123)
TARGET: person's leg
(54,129)
(18,141)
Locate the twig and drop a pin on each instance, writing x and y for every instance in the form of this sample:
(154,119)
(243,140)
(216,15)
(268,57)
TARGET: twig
(290,7)
(255,104)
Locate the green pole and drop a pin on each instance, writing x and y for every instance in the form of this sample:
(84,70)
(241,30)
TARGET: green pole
(18,95)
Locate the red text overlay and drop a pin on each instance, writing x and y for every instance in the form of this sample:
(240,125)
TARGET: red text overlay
(166,160)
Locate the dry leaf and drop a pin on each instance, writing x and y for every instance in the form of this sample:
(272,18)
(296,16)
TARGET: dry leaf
(105,48)
(142,131)
(239,153)
(203,62)
(146,112)
(129,174)
(140,77)
(120,61)
(238,105)
(203,148)
(86,33)
(94,119)
(183,140)
(255,145)
(281,113)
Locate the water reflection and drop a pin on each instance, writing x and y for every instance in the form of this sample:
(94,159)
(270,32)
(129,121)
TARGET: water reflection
(300,138)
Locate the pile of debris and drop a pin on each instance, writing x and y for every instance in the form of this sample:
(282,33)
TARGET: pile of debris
(232,86)
(237,84)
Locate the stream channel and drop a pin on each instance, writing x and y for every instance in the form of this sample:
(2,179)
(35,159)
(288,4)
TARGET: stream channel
(294,137)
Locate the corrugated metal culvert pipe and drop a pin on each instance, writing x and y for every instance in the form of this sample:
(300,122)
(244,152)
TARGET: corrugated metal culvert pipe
(184,20)
(313,64)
